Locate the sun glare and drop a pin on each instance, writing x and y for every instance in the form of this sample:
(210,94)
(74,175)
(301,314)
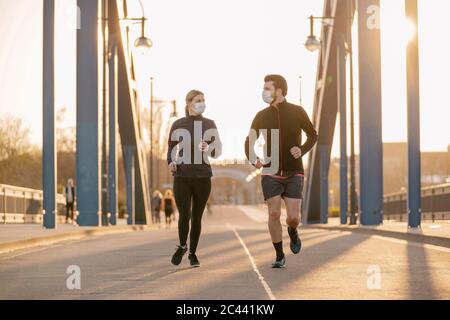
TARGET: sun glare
(409,30)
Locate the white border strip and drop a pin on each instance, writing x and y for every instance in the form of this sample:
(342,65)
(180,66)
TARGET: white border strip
(412,243)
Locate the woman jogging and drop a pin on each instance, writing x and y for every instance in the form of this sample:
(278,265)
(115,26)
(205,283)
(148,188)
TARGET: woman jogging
(192,140)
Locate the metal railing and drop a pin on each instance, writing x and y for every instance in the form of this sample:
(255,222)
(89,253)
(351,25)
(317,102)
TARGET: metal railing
(435,204)
(24,205)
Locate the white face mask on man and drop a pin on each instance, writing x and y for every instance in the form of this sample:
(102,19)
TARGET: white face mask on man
(267,96)
(199,107)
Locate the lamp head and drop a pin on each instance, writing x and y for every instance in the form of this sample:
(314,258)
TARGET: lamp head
(143,43)
(312,43)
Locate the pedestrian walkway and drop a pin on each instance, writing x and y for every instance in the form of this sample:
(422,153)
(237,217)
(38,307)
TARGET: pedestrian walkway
(16,232)
(432,229)
(24,236)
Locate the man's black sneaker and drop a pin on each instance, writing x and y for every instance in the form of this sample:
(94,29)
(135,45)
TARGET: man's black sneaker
(278,264)
(296,243)
(178,255)
(194,261)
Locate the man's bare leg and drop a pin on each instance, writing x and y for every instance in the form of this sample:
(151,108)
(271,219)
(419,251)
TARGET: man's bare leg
(293,212)
(275,228)
(293,220)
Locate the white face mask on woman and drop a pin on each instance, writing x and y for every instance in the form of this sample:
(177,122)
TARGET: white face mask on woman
(267,96)
(199,107)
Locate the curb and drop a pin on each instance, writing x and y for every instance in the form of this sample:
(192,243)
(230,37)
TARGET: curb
(7,247)
(420,238)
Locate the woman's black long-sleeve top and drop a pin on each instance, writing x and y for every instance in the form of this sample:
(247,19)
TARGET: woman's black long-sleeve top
(195,129)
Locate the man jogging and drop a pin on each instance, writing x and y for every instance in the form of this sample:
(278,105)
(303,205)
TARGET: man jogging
(281,124)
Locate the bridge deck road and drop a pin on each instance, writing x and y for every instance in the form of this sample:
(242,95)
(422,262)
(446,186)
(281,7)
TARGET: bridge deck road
(236,253)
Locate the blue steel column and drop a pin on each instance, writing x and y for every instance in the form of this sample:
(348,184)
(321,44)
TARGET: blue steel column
(342,107)
(105,114)
(130,175)
(49,146)
(413,98)
(371,148)
(113,111)
(88,116)
(324,169)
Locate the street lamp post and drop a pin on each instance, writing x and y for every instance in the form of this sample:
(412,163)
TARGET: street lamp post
(313,43)
(143,42)
(301,92)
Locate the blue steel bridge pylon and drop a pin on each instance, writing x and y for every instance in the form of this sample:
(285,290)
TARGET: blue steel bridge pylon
(329,96)
(123,115)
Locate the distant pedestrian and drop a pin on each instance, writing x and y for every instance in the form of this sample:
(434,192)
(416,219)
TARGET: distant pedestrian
(69,194)
(169,207)
(156,207)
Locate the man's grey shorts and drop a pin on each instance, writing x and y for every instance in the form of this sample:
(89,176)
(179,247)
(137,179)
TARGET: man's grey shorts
(289,187)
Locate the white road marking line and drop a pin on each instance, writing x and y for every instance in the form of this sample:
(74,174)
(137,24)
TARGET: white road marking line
(414,244)
(255,268)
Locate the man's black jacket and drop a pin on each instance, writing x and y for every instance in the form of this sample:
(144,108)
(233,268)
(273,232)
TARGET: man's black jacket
(291,120)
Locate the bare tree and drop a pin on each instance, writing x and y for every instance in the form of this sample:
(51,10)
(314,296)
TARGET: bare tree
(20,161)
(65,135)
(14,137)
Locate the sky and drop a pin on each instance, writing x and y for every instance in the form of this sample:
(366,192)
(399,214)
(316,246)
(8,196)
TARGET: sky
(225,48)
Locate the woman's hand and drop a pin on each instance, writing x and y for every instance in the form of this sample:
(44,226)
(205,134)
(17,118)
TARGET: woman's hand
(203,146)
(296,153)
(173,167)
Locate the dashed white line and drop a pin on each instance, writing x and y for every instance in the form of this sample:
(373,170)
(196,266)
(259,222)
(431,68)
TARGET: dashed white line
(255,268)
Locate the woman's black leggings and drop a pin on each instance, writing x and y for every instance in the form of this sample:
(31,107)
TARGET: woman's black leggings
(191,196)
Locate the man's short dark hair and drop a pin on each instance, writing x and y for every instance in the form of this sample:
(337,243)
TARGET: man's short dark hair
(279,82)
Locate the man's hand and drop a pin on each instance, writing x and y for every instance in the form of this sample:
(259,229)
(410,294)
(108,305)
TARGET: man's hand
(173,167)
(296,153)
(203,146)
